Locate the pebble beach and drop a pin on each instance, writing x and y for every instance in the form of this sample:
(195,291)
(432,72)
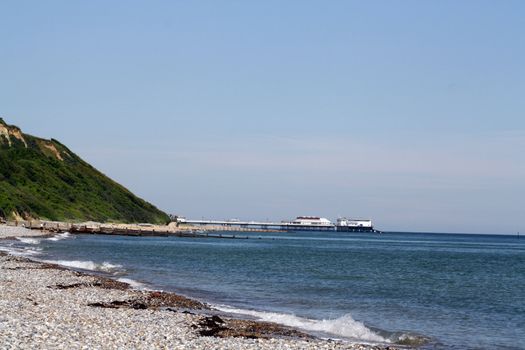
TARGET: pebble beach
(45,306)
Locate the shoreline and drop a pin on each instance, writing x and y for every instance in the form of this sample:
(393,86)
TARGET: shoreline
(39,300)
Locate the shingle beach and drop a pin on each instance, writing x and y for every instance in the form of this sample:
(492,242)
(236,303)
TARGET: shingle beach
(44,306)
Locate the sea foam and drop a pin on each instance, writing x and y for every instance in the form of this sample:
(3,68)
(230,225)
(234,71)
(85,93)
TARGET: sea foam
(23,252)
(345,326)
(28,240)
(88,265)
(60,236)
(134,284)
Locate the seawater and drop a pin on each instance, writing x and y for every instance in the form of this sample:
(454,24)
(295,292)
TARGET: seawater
(441,291)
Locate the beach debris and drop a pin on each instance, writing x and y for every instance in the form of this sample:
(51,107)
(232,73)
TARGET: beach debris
(166,299)
(211,326)
(148,300)
(32,301)
(104,283)
(215,326)
(117,304)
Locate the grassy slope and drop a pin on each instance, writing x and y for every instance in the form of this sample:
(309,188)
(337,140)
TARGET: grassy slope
(34,183)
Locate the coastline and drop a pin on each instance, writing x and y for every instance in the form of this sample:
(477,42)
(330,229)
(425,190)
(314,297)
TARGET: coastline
(46,306)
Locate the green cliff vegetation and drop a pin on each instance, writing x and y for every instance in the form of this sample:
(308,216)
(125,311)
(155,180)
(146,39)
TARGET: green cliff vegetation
(43,179)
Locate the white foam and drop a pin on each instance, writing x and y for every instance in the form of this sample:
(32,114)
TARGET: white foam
(27,240)
(134,284)
(31,252)
(87,265)
(60,236)
(24,252)
(345,326)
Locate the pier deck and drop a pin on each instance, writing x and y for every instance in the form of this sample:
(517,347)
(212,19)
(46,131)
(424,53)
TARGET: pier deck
(277,226)
(185,230)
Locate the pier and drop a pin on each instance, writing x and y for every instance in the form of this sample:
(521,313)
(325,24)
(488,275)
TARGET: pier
(271,226)
(182,227)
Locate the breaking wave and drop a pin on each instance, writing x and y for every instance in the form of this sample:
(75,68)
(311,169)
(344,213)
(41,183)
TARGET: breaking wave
(88,265)
(134,284)
(410,339)
(60,236)
(344,327)
(23,252)
(28,240)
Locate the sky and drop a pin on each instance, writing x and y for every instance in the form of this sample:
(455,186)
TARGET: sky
(411,113)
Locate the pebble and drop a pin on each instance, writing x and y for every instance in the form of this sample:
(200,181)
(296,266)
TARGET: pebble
(18,231)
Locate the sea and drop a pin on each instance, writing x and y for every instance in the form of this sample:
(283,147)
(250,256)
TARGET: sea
(423,290)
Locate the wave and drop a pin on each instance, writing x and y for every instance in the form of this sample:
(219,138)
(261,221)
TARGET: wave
(88,265)
(23,252)
(28,240)
(134,284)
(345,326)
(410,339)
(59,236)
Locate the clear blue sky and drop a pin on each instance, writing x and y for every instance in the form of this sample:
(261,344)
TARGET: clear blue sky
(408,112)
